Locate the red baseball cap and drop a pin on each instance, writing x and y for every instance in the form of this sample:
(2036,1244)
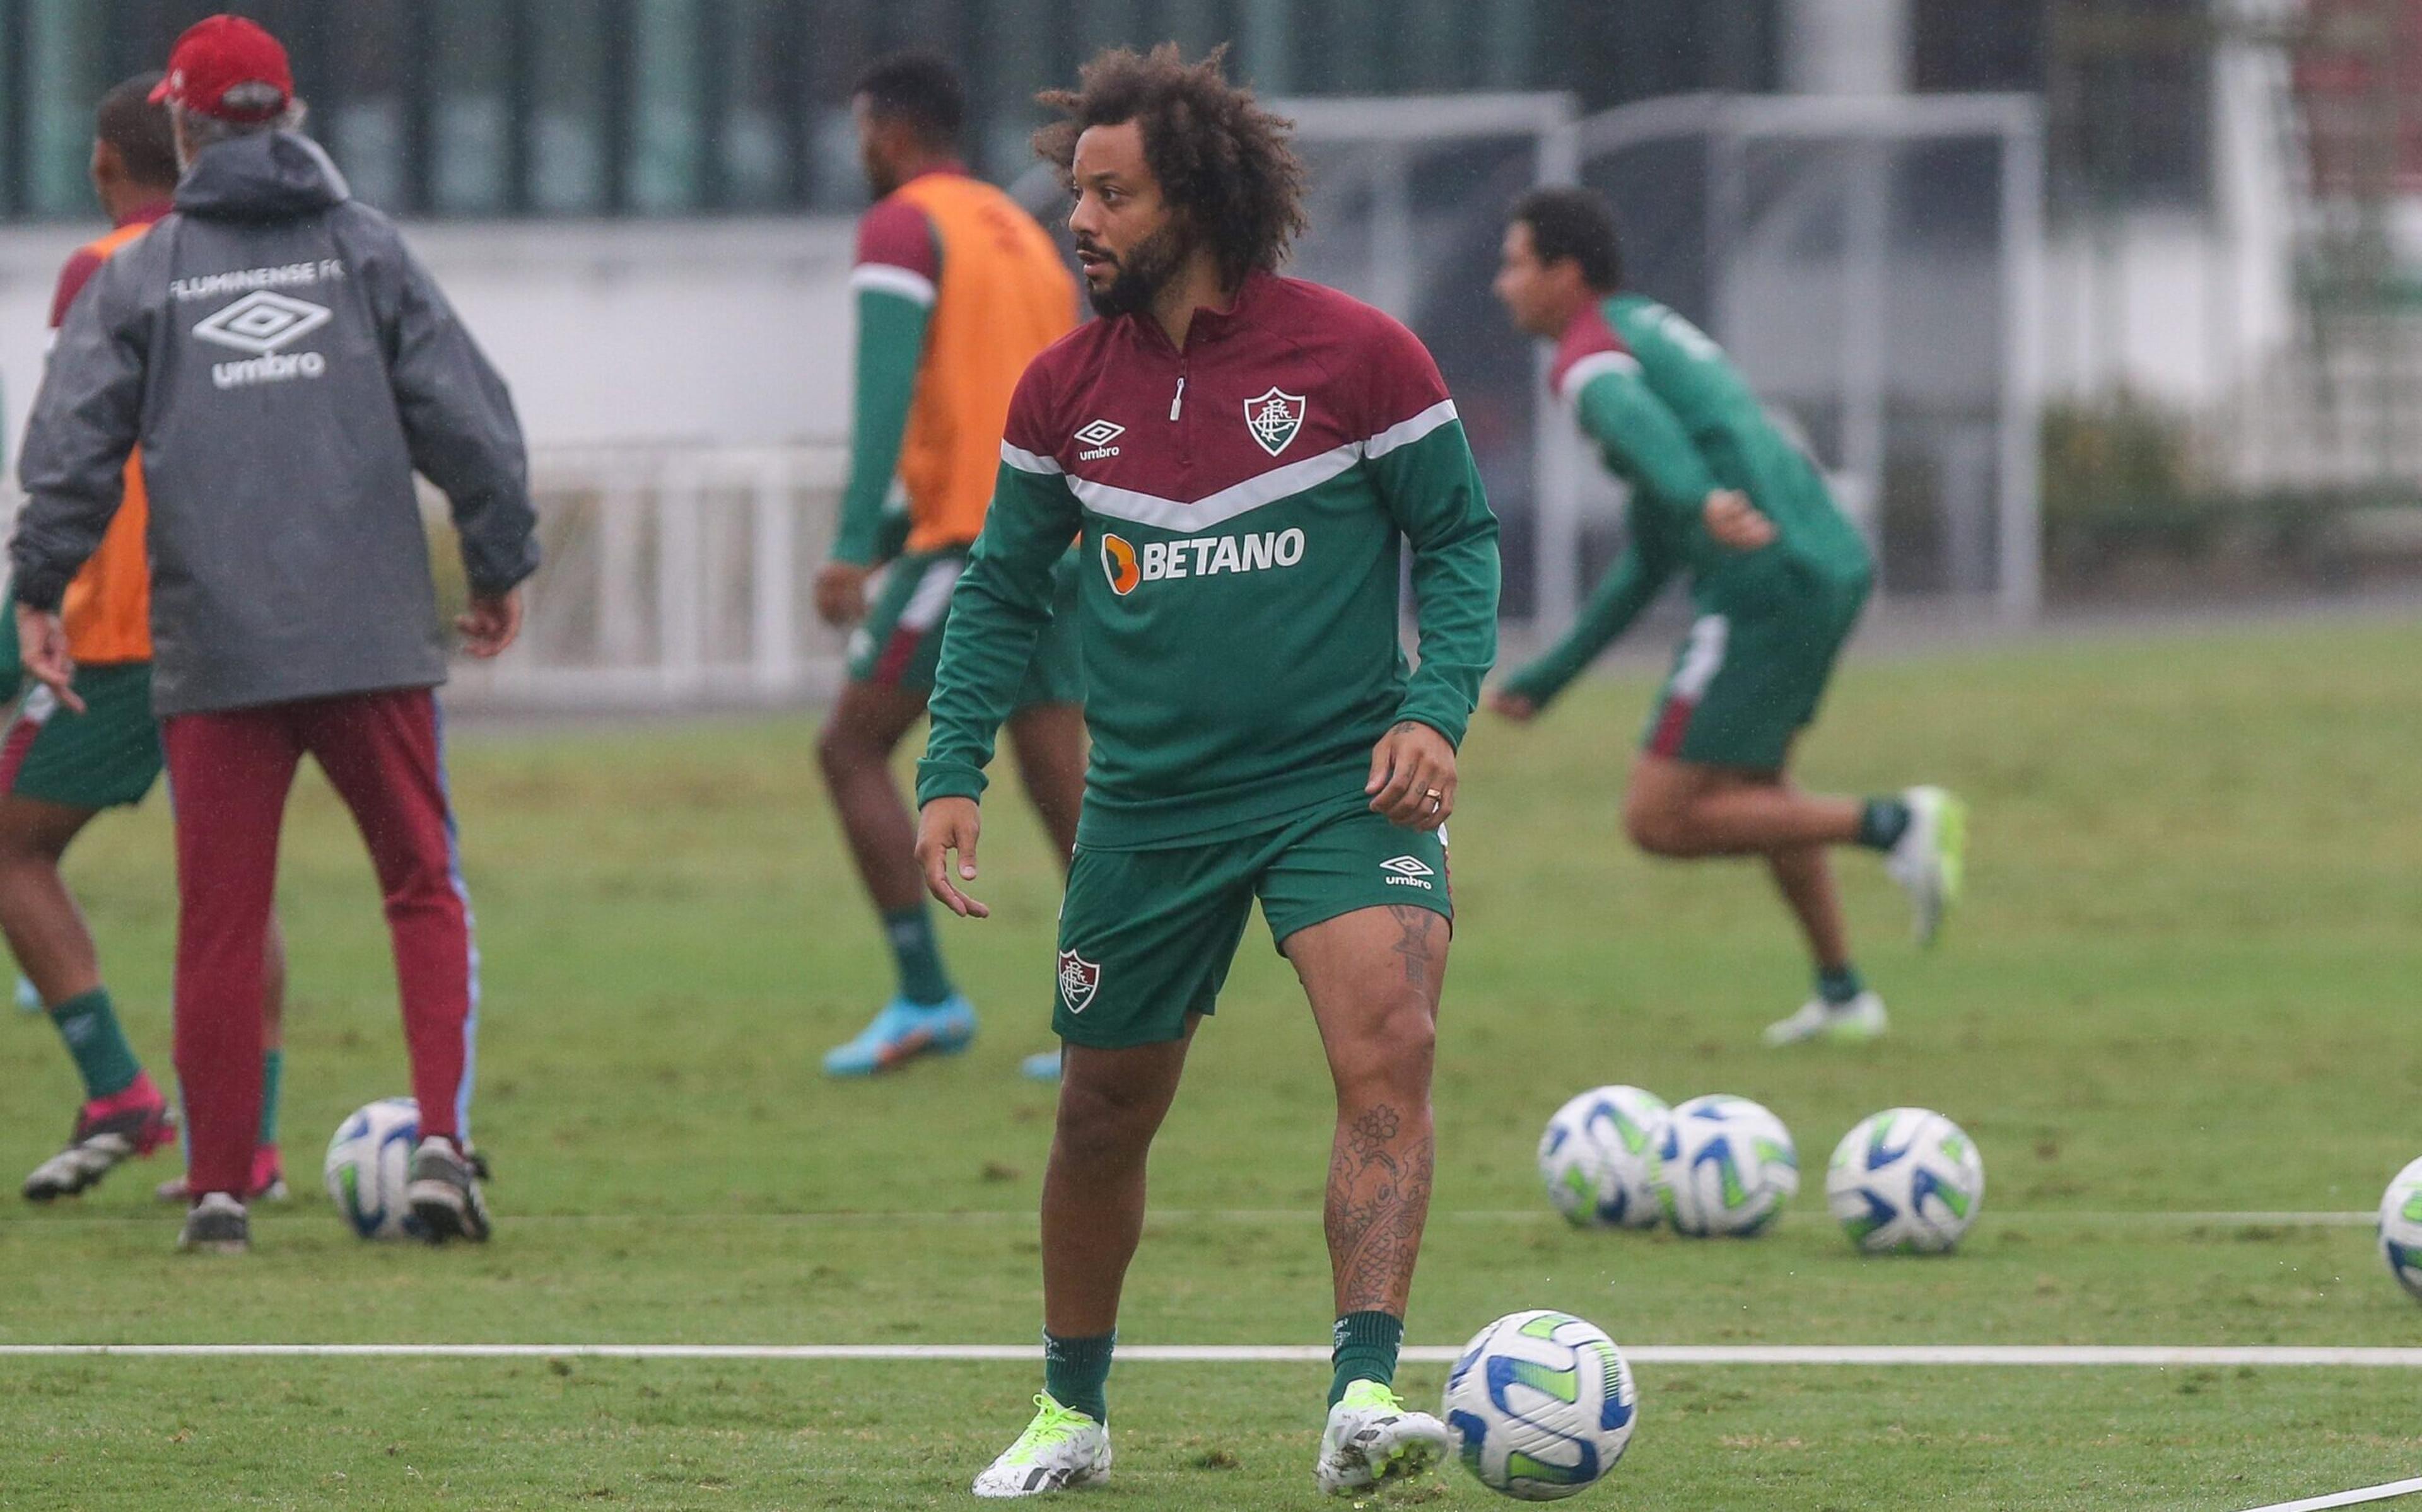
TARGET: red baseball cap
(223,54)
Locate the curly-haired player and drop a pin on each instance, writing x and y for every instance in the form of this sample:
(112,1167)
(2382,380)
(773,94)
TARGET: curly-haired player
(1246,457)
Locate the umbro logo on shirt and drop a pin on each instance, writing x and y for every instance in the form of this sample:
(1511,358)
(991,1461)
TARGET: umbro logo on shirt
(1098,438)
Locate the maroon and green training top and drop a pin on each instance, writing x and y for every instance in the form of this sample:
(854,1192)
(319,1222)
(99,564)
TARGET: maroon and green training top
(1244,504)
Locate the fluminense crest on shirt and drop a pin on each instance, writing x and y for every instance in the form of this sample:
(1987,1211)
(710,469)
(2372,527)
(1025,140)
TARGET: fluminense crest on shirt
(1274,419)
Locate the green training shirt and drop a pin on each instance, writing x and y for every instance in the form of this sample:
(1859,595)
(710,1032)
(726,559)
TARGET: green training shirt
(1244,505)
(1674,419)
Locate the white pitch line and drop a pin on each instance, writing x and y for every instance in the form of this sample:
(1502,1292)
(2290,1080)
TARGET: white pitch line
(1672,1354)
(2368,1493)
(1025,1216)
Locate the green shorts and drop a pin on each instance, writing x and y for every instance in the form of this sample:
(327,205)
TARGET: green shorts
(1743,687)
(1146,937)
(108,756)
(901,643)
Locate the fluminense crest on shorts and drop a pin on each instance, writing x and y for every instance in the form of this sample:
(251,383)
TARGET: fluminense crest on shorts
(1274,419)
(1079,978)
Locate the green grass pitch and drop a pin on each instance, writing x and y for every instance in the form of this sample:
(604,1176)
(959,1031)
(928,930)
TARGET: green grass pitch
(2185,986)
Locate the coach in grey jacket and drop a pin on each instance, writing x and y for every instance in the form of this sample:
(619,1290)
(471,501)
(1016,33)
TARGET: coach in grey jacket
(286,365)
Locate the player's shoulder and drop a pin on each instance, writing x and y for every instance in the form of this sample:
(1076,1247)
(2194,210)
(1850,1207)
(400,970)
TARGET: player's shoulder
(896,232)
(1316,312)
(1057,375)
(1591,346)
(1375,367)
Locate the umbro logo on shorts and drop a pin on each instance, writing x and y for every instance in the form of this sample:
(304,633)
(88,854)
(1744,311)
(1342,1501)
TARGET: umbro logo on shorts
(1079,978)
(1408,871)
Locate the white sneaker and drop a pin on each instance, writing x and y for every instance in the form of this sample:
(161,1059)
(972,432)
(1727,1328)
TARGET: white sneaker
(1372,1438)
(1059,1451)
(1930,861)
(1862,1018)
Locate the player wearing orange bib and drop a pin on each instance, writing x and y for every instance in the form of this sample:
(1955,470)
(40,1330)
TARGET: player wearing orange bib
(956,289)
(60,767)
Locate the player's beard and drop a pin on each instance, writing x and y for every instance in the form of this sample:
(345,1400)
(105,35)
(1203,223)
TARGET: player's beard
(1142,273)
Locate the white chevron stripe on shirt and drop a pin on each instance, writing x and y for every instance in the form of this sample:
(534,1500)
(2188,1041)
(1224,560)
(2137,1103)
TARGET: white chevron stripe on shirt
(1237,498)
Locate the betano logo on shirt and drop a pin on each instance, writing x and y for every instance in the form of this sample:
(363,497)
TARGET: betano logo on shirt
(1200,557)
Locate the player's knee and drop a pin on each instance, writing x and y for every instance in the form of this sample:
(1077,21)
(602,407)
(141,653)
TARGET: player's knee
(1105,1122)
(1393,1050)
(1657,830)
(841,749)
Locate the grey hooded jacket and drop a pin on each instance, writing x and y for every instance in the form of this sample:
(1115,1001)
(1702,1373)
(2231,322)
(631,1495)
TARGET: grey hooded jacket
(286,365)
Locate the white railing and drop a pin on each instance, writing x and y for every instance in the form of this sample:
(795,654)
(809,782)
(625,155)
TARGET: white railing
(675,577)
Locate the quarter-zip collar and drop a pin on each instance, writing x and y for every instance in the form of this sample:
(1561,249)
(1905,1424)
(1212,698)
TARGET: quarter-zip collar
(1210,323)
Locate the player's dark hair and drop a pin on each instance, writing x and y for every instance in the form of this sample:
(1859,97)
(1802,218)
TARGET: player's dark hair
(1224,162)
(919,88)
(139,130)
(1576,222)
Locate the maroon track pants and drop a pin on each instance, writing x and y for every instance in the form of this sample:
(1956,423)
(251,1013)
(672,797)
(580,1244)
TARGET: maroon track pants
(229,774)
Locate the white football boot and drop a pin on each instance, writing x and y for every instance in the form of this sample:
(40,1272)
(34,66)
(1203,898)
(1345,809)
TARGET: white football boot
(1059,1451)
(1861,1019)
(1930,861)
(1374,1438)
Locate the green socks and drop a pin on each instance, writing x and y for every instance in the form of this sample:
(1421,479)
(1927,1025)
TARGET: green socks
(918,956)
(1838,986)
(1077,1373)
(1363,1347)
(273,1066)
(103,1058)
(1881,823)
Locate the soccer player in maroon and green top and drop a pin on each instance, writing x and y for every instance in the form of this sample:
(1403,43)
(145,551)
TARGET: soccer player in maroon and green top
(1777,578)
(958,290)
(1247,458)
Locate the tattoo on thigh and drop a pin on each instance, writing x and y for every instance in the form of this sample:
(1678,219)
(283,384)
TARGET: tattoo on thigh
(1378,1197)
(1415,927)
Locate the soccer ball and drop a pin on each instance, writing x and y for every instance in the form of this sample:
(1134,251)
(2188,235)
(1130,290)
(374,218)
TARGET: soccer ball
(2401,1228)
(1540,1406)
(1905,1181)
(1599,1154)
(1724,1166)
(370,1169)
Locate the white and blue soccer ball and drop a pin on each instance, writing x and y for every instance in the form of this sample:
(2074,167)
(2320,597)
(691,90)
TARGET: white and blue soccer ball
(1598,1158)
(1540,1406)
(1905,1181)
(2401,1228)
(369,1169)
(1725,1166)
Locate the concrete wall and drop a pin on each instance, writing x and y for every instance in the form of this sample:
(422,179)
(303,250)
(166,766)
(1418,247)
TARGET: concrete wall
(730,332)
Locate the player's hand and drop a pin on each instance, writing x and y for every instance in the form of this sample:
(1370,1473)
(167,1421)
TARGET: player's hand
(490,623)
(1412,776)
(841,593)
(42,643)
(1734,523)
(1517,707)
(950,824)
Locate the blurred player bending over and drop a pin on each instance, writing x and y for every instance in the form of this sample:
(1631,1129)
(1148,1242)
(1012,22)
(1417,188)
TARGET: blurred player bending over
(288,365)
(1778,577)
(958,290)
(1246,457)
(58,768)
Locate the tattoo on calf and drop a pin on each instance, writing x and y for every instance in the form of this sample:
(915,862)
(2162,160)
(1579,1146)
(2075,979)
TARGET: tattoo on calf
(1378,1197)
